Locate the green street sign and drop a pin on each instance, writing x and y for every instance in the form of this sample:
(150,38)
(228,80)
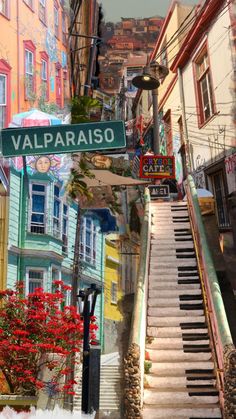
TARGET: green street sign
(60,139)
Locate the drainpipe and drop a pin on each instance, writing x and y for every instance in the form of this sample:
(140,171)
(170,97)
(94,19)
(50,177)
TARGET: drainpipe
(20,231)
(185,128)
(102,294)
(18,55)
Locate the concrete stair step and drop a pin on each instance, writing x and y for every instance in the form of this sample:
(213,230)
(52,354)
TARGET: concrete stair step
(169,213)
(168,241)
(163,259)
(173,311)
(171,302)
(155,249)
(171,252)
(180,398)
(174,280)
(180,369)
(206,412)
(159,225)
(173,343)
(178,355)
(173,321)
(152,381)
(172,286)
(175,294)
(174,332)
(157,263)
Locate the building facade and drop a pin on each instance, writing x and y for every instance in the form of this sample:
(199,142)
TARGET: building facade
(42,223)
(33,56)
(112,293)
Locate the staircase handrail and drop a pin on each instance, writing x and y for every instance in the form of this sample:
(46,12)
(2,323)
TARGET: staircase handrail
(134,360)
(220,332)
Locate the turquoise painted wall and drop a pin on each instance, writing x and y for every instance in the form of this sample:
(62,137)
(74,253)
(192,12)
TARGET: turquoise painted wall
(48,248)
(21,238)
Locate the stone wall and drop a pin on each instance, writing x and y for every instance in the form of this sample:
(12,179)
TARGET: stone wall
(132,378)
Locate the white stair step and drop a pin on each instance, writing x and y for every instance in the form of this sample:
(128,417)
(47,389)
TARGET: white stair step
(173,321)
(171,252)
(164,369)
(175,382)
(176,331)
(159,264)
(170,226)
(157,247)
(154,278)
(169,213)
(171,294)
(173,311)
(165,259)
(171,286)
(158,397)
(170,302)
(182,413)
(173,343)
(177,355)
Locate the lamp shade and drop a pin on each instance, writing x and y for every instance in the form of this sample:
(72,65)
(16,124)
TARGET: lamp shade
(146,81)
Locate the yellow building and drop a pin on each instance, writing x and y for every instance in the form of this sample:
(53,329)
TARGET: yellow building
(33,59)
(112,292)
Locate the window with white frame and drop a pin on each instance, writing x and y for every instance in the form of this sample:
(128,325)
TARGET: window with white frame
(65,228)
(3,100)
(56,20)
(35,279)
(88,241)
(29,73)
(42,10)
(204,91)
(114,292)
(56,224)
(4,7)
(38,208)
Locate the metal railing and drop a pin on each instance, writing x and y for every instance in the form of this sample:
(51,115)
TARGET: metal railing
(214,307)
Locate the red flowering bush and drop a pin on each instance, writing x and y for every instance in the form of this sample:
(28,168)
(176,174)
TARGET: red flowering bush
(36,333)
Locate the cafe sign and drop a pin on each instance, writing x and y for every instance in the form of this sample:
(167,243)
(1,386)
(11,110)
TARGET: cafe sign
(158,167)
(59,139)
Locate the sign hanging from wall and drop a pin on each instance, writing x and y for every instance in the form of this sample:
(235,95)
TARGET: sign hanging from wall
(159,191)
(60,139)
(158,167)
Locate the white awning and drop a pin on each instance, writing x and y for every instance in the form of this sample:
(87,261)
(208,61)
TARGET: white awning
(107,178)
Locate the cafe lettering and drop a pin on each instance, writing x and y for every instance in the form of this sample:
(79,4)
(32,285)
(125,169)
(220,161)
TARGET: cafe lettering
(157,167)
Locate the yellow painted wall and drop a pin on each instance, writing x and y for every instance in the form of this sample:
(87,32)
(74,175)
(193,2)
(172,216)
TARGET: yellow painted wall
(112,274)
(22,26)
(179,14)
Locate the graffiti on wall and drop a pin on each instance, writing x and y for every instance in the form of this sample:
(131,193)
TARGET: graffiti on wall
(178,159)
(51,46)
(230,168)
(199,179)
(57,167)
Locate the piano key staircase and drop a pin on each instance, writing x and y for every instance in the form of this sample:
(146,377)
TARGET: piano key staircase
(181,382)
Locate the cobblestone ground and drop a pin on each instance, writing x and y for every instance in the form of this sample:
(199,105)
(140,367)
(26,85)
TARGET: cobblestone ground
(57,413)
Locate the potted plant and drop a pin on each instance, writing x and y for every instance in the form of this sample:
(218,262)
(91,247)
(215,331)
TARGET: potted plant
(37,332)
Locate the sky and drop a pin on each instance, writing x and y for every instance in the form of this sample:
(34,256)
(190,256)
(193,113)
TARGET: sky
(115,9)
